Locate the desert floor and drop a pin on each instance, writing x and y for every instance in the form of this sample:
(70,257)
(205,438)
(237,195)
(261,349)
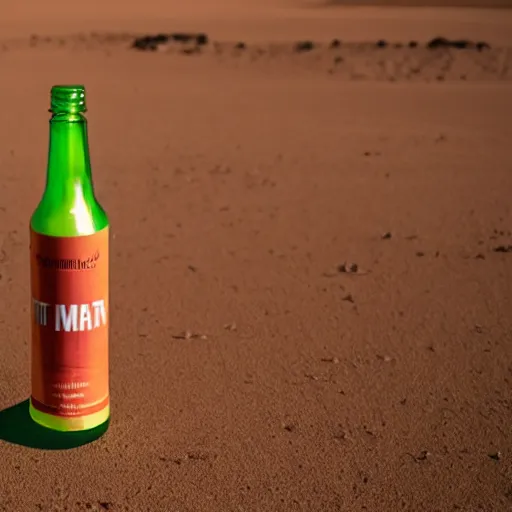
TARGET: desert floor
(249,371)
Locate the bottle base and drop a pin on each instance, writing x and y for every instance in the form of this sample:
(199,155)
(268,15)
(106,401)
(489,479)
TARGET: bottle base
(61,424)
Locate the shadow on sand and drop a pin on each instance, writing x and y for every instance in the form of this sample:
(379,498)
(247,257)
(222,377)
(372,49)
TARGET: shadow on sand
(17,427)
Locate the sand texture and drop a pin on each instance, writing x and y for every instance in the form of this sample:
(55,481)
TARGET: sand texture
(311,255)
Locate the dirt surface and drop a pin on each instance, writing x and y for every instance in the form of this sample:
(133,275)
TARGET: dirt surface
(311,259)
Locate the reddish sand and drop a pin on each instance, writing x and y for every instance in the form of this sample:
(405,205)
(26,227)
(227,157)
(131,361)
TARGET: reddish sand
(238,183)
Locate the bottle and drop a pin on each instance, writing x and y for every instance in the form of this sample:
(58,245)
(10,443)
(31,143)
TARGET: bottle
(69,267)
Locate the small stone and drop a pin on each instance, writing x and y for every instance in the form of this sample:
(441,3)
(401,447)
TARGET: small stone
(442,42)
(341,435)
(495,456)
(348,268)
(481,46)
(333,360)
(503,248)
(188,335)
(202,39)
(150,43)
(424,455)
(304,46)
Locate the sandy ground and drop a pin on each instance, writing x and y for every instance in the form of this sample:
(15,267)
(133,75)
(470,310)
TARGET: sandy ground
(239,183)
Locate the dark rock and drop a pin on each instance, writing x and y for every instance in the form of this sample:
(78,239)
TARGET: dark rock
(442,42)
(335,43)
(160,38)
(381,43)
(348,268)
(413,44)
(495,456)
(304,46)
(503,248)
(149,43)
(240,46)
(202,39)
(461,44)
(481,46)
(181,37)
(438,42)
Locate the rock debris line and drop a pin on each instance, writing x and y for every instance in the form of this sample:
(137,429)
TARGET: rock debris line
(460,44)
(153,42)
(438,60)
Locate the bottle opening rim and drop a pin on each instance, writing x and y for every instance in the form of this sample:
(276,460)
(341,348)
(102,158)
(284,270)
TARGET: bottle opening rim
(68,99)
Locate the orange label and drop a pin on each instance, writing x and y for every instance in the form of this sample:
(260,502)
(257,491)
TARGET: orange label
(69,312)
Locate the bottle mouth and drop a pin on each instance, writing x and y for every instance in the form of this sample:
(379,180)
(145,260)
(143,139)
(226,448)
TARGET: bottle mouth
(68,99)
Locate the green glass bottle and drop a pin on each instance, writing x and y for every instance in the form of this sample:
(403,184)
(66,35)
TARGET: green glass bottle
(69,279)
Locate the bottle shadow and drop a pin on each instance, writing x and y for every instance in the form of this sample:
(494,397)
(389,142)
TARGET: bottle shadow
(17,427)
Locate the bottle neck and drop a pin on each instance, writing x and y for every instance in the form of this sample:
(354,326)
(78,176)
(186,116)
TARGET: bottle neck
(69,167)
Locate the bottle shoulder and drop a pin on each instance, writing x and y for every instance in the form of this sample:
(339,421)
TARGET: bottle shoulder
(73,219)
